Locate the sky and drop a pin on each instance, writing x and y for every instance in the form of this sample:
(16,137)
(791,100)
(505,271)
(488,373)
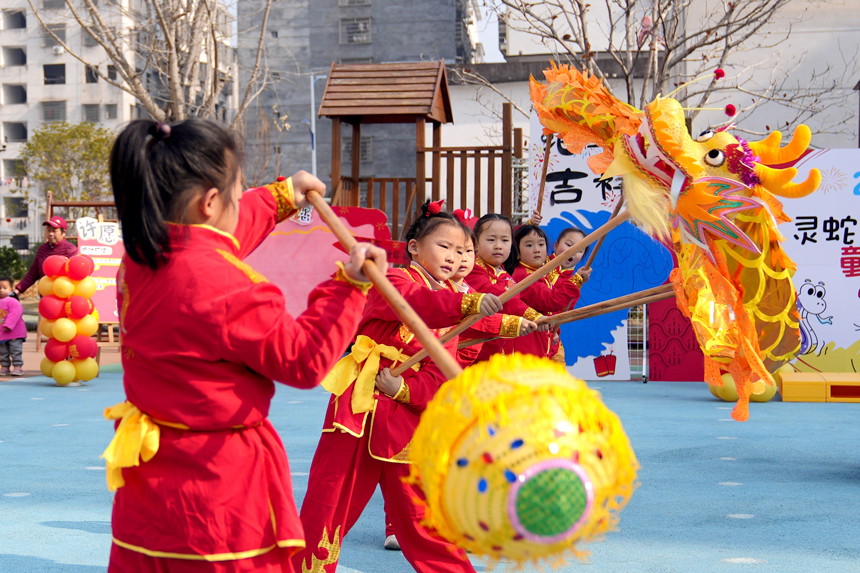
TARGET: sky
(489,33)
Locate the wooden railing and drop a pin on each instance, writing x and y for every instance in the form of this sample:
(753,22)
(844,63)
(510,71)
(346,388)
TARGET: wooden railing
(394,196)
(478,178)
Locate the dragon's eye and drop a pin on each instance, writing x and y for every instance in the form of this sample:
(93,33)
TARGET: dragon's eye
(705,136)
(715,158)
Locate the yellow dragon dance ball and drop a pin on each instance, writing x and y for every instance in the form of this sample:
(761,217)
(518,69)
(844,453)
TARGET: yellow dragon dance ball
(519,461)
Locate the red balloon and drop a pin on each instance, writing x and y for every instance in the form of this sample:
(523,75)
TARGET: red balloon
(83,347)
(56,350)
(78,267)
(54,265)
(91,262)
(52,307)
(78,307)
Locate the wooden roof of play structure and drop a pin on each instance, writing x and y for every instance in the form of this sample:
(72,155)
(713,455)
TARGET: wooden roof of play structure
(387,93)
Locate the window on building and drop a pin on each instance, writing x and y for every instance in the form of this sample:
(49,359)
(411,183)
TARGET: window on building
(353,2)
(111,72)
(14,20)
(92,75)
(110,111)
(53,111)
(274,33)
(91,112)
(55,74)
(13,94)
(355,60)
(54,4)
(365,152)
(14,169)
(14,57)
(89,41)
(14,131)
(16,207)
(503,36)
(355,31)
(59,31)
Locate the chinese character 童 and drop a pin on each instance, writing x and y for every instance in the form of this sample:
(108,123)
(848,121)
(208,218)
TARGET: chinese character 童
(851,261)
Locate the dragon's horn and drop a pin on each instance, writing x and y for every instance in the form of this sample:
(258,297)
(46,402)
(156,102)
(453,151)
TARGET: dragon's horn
(778,181)
(772,154)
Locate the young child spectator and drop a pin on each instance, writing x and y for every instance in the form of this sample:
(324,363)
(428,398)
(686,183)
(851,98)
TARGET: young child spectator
(13,332)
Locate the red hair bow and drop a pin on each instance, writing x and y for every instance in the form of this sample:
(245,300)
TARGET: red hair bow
(435,207)
(463,215)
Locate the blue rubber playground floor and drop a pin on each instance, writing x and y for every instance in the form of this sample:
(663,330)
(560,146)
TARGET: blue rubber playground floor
(779,493)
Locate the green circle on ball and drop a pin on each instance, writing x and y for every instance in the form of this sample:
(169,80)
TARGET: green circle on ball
(551,502)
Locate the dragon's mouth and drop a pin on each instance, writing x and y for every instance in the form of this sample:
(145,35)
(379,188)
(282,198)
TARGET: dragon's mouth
(647,156)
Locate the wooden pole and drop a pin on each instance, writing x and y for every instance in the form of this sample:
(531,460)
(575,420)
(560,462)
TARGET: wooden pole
(543,173)
(392,296)
(596,248)
(590,311)
(520,287)
(661,292)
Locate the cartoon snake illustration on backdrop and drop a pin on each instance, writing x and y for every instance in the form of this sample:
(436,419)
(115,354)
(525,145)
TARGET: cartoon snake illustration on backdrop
(810,302)
(713,198)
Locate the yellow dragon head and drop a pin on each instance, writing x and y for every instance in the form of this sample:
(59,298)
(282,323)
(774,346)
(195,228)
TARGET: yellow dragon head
(671,180)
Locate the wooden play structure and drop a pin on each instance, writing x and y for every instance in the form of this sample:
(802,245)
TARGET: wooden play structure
(478,178)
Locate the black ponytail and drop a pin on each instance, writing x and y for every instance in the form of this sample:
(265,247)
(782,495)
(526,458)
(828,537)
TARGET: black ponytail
(156,169)
(511,263)
(429,220)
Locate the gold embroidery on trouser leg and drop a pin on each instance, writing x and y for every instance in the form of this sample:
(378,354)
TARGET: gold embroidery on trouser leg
(333,547)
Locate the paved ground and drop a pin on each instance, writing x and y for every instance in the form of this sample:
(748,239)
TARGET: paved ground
(779,493)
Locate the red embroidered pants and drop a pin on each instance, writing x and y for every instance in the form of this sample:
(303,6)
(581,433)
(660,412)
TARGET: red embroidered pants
(342,480)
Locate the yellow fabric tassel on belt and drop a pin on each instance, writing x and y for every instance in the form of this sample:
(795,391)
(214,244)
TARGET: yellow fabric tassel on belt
(347,371)
(136,439)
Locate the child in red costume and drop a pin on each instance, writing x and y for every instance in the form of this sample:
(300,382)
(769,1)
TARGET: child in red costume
(494,250)
(556,292)
(500,325)
(201,477)
(372,415)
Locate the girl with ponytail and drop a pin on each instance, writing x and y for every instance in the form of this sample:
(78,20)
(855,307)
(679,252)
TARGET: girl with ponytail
(201,477)
(373,414)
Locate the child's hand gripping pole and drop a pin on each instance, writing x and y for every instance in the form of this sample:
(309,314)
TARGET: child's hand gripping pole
(518,288)
(392,296)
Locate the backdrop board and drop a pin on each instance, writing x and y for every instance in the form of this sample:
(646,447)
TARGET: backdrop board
(629,261)
(102,242)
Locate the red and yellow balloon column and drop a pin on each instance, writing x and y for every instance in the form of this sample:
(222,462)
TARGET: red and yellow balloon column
(68,319)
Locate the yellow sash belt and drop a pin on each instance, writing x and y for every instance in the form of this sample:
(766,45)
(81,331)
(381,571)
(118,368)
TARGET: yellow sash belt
(347,371)
(136,439)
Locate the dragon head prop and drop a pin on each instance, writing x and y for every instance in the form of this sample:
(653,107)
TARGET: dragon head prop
(713,197)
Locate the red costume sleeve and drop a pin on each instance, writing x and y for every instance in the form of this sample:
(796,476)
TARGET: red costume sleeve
(422,386)
(545,299)
(260,333)
(467,356)
(262,209)
(479,279)
(438,309)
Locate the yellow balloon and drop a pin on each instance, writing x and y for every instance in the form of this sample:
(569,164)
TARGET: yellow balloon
(769,392)
(86,369)
(64,287)
(86,287)
(728,392)
(64,329)
(47,367)
(63,372)
(46,327)
(88,325)
(46,286)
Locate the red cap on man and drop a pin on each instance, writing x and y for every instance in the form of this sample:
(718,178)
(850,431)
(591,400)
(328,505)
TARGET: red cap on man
(57,222)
